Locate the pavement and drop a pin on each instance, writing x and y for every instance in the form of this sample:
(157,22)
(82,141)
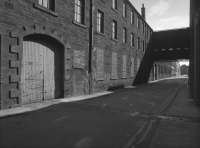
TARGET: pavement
(39,105)
(154,115)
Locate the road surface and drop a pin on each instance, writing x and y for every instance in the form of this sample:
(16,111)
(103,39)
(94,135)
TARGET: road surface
(156,115)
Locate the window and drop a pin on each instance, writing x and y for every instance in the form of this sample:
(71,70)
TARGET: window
(114,70)
(138,22)
(114,30)
(147,34)
(100,64)
(132,40)
(100,21)
(144,46)
(124,10)
(138,64)
(141,26)
(114,4)
(49,4)
(124,66)
(79,11)
(124,35)
(138,43)
(132,66)
(132,17)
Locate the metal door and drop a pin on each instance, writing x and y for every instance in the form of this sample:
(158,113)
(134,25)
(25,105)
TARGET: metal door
(37,78)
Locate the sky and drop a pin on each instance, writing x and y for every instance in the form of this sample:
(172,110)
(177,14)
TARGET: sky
(165,14)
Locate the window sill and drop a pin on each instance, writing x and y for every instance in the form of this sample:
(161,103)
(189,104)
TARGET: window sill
(45,10)
(101,34)
(115,10)
(113,78)
(115,40)
(100,80)
(80,25)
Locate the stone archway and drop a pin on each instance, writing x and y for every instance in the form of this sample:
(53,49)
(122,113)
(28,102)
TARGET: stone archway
(42,73)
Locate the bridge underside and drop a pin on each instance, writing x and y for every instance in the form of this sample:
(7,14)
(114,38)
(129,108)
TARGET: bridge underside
(164,46)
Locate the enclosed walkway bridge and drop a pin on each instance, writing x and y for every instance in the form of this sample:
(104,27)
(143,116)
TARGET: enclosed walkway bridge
(164,46)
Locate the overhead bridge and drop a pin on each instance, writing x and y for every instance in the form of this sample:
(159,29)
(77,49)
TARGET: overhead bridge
(164,46)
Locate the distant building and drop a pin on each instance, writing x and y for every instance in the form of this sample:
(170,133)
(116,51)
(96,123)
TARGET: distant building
(184,70)
(60,48)
(162,70)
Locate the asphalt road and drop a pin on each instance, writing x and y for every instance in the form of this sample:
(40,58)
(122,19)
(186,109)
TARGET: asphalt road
(132,117)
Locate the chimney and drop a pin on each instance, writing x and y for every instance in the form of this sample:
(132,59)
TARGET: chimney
(143,12)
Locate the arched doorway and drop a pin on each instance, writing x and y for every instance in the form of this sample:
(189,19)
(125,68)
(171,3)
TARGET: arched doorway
(42,69)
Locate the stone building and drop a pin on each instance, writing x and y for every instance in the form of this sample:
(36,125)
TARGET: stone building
(60,48)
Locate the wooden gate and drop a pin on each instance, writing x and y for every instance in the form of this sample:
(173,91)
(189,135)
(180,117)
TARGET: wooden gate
(38,73)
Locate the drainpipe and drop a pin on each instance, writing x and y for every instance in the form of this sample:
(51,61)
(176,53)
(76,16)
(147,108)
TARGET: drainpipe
(90,48)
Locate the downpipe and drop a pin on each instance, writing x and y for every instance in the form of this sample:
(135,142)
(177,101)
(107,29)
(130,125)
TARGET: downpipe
(91,45)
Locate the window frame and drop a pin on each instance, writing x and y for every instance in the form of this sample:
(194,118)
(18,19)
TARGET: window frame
(144,49)
(138,22)
(124,35)
(114,4)
(51,11)
(124,10)
(132,39)
(132,17)
(47,4)
(79,12)
(138,43)
(100,21)
(114,30)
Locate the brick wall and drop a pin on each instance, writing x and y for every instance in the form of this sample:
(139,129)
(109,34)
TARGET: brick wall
(105,42)
(20,18)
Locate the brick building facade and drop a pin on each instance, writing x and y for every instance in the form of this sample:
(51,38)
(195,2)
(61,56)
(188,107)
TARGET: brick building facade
(60,48)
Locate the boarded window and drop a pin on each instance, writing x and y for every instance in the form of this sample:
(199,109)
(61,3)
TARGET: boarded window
(132,67)
(79,59)
(124,62)
(114,66)
(99,64)
(138,64)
